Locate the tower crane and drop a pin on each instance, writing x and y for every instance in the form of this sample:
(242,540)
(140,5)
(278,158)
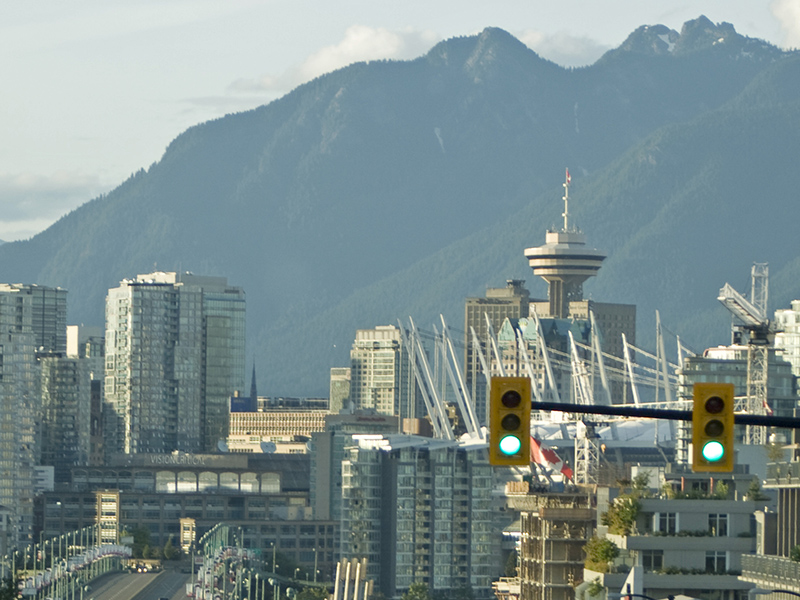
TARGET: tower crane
(751,323)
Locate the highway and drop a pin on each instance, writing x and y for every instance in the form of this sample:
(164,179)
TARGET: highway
(139,586)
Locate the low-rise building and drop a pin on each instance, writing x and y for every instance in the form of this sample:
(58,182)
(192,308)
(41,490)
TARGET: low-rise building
(267,495)
(688,535)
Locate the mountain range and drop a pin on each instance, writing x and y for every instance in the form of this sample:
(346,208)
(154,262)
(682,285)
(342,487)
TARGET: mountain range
(391,189)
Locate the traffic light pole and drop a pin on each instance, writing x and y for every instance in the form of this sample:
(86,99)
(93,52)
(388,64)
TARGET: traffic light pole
(658,413)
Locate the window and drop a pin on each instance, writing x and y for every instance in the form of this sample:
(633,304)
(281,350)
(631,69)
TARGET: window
(652,560)
(716,561)
(718,524)
(666,523)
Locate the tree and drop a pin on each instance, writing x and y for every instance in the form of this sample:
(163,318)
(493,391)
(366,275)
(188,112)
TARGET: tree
(417,591)
(721,491)
(600,553)
(141,540)
(774,452)
(511,564)
(754,491)
(641,485)
(8,588)
(621,515)
(794,554)
(170,551)
(312,593)
(595,588)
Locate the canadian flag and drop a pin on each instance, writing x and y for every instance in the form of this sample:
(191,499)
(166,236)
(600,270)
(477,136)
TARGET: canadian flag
(569,179)
(542,454)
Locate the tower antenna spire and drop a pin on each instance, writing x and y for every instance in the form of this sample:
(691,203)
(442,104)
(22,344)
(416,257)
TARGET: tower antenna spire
(565,214)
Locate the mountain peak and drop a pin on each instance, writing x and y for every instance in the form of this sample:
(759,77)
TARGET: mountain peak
(697,35)
(477,51)
(701,33)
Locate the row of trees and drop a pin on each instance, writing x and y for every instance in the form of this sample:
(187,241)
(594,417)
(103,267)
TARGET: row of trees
(143,548)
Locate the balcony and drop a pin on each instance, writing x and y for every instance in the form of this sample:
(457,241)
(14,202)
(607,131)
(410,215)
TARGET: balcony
(739,545)
(771,572)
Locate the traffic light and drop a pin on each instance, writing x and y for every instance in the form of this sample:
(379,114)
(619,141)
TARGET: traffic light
(510,421)
(712,428)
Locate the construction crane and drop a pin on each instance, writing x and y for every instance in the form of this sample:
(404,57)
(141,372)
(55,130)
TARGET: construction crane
(752,325)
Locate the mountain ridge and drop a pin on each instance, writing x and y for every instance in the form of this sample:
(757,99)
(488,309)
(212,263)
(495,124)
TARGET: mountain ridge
(354,196)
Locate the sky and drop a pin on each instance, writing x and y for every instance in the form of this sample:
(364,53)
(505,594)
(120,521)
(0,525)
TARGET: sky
(94,90)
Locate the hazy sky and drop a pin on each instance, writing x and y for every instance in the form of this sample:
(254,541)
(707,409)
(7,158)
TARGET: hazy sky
(93,90)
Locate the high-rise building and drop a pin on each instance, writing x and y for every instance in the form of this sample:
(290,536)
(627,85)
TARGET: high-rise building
(175,353)
(71,392)
(380,378)
(510,302)
(31,318)
(787,340)
(420,510)
(328,451)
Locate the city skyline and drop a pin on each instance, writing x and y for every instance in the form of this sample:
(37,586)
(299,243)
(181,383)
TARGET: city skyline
(101,89)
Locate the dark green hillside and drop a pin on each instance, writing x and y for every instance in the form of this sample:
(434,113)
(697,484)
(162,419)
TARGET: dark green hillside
(390,189)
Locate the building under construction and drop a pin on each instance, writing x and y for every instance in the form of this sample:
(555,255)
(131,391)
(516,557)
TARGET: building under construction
(554,528)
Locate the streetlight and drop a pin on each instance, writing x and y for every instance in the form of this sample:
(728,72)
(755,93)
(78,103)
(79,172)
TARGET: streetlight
(297,570)
(751,594)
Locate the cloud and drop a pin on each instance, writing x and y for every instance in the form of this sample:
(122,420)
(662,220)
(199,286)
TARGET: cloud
(368,43)
(32,202)
(360,43)
(788,14)
(562,48)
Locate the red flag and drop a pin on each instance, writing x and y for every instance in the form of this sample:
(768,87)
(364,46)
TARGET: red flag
(543,455)
(569,179)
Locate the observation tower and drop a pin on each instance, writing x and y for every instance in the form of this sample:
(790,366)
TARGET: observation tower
(564,262)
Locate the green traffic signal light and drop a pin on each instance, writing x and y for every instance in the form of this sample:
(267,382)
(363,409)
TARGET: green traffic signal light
(509,421)
(510,445)
(712,427)
(713,451)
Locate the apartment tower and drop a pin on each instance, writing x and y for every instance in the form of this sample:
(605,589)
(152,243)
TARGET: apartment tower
(175,353)
(32,319)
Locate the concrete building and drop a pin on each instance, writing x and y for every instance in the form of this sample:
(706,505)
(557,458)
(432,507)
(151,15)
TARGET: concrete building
(32,318)
(66,390)
(787,340)
(266,495)
(728,364)
(556,335)
(772,566)
(286,426)
(328,453)
(175,353)
(565,262)
(339,389)
(687,536)
(380,377)
(47,314)
(71,396)
(510,302)
(420,510)
(554,528)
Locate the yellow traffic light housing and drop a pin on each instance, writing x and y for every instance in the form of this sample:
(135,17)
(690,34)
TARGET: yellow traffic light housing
(510,421)
(712,428)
